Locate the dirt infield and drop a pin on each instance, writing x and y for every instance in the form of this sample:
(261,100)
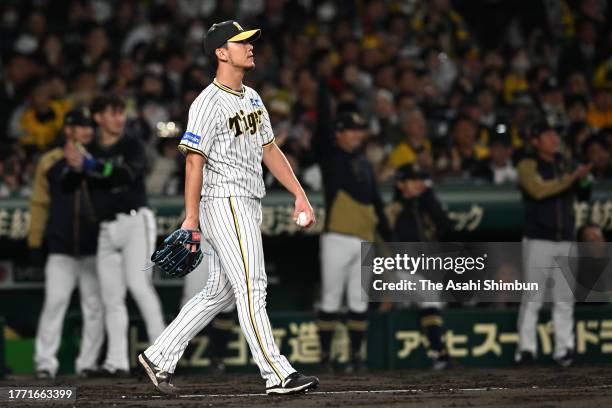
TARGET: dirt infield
(580,386)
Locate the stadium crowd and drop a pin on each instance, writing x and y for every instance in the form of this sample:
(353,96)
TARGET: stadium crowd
(436,92)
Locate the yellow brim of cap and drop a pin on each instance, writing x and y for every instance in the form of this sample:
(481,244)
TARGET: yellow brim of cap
(246,35)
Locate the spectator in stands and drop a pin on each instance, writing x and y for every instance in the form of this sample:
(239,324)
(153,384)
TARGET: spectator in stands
(592,263)
(599,114)
(42,120)
(162,179)
(515,81)
(581,54)
(498,167)
(575,136)
(577,106)
(12,181)
(415,146)
(551,102)
(597,151)
(385,62)
(464,152)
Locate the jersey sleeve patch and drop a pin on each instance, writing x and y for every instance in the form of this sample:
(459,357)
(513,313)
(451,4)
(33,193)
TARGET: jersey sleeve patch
(191,138)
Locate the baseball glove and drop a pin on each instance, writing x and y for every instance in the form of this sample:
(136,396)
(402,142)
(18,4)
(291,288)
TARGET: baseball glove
(174,258)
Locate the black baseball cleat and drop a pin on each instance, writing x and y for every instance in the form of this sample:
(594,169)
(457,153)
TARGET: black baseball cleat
(567,360)
(44,375)
(525,358)
(440,362)
(160,378)
(294,384)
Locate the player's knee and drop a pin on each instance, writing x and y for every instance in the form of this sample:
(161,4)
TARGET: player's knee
(92,308)
(57,302)
(141,293)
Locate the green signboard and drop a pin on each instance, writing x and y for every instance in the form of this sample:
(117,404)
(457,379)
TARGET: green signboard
(476,210)
(474,337)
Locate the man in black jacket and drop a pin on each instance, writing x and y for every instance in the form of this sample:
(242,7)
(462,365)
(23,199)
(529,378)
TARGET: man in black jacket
(549,187)
(416,215)
(66,221)
(114,165)
(354,213)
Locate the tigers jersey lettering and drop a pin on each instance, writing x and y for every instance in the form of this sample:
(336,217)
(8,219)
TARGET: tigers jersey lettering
(229,129)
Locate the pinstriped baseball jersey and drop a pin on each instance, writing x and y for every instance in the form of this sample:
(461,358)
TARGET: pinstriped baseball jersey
(229,128)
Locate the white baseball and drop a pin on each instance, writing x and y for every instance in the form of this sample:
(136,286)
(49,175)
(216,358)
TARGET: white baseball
(302,219)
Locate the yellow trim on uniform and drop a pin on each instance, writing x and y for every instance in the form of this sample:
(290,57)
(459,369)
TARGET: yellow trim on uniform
(188,149)
(245,35)
(228,89)
(360,325)
(269,143)
(251,313)
(327,324)
(433,320)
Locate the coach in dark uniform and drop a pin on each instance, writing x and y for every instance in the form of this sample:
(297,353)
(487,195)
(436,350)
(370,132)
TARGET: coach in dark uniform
(354,213)
(416,215)
(67,223)
(549,186)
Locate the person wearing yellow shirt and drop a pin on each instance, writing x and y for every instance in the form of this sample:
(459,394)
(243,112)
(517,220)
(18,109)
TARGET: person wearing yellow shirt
(41,122)
(599,114)
(415,148)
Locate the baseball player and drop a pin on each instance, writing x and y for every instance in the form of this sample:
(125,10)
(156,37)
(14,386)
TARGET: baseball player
(221,327)
(548,187)
(68,220)
(416,215)
(227,137)
(114,165)
(355,213)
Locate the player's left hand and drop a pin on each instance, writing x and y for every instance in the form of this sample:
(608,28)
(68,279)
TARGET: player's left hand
(302,205)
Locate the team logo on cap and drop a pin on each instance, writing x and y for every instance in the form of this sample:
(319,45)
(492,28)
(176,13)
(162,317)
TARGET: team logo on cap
(238,26)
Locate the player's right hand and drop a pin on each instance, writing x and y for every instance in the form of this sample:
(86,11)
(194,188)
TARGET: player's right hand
(190,226)
(302,205)
(74,157)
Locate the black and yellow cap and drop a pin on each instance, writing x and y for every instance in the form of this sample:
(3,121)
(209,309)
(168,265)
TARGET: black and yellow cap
(227,31)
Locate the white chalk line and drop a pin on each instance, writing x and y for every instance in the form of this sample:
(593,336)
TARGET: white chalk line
(399,391)
(402,391)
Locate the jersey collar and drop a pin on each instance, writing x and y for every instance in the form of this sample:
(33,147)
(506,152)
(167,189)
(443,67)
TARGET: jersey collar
(228,89)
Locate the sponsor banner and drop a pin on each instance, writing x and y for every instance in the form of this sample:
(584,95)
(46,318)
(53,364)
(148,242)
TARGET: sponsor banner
(476,272)
(473,337)
(488,337)
(474,209)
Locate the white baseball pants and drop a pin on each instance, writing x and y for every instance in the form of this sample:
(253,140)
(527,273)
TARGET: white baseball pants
(539,266)
(62,274)
(124,247)
(231,226)
(341,272)
(195,282)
